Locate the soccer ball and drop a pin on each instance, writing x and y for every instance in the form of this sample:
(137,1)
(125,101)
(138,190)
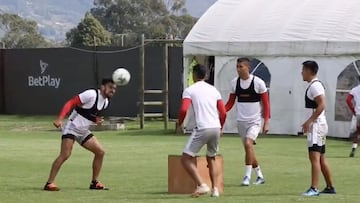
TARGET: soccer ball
(121,76)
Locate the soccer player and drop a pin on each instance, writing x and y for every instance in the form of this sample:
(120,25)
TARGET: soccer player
(316,128)
(252,99)
(210,117)
(86,108)
(353,101)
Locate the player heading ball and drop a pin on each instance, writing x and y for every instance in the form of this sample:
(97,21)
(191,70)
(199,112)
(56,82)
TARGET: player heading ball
(86,109)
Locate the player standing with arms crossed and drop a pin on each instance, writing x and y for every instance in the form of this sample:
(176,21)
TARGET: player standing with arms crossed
(210,117)
(87,107)
(250,92)
(353,102)
(316,128)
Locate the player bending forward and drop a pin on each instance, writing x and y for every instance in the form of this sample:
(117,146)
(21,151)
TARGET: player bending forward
(87,107)
(250,92)
(316,128)
(210,116)
(353,99)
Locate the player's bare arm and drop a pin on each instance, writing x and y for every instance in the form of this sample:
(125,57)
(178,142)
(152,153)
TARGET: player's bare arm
(69,105)
(320,100)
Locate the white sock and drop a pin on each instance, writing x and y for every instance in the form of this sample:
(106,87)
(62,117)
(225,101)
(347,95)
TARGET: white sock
(258,172)
(354,145)
(248,170)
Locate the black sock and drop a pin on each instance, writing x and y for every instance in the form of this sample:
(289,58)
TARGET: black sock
(94,181)
(313,188)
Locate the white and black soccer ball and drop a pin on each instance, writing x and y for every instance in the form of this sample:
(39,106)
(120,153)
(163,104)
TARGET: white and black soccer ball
(121,76)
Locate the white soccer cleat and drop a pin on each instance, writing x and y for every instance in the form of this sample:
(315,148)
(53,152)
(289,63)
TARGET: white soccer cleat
(215,192)
(246,181)
(201,190)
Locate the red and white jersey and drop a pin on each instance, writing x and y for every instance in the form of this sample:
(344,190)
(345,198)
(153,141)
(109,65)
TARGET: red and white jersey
(315,89)
(87,98)
(204,99)
(355,92)
(249,111)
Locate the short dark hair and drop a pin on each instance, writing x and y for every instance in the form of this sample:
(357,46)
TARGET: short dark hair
(244,59)
(311,65)
(200,71)
(106,81)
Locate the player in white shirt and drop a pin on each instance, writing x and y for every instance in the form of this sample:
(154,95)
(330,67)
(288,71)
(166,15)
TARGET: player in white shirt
(210,116)
(252,104)
(86,109)
(316,129)
(353,101)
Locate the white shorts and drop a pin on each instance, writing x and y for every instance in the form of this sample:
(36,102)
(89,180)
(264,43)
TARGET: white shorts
(249,129)
(198,138)
(317,134)
(355,122)
(81,135)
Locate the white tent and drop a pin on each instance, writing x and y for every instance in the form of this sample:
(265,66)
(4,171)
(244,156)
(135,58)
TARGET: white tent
(282,34)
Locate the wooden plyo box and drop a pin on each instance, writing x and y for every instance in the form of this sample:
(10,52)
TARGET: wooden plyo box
(179,181)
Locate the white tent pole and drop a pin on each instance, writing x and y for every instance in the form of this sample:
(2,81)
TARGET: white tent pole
(257,66)
(356,68)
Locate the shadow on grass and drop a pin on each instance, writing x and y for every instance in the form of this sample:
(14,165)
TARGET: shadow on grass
(275,194)
(340,157)
(138,132)
(159,193)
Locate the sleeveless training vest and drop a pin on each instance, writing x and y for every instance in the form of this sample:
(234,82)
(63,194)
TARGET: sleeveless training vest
(311,104)
(247,95)
(91,113)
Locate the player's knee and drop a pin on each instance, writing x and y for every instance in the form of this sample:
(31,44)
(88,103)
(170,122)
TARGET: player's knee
(100,152)
(65,156)
(185,157)
(248,143)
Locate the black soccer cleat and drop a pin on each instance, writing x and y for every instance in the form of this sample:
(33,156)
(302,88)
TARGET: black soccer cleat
(329,190)
(96,185)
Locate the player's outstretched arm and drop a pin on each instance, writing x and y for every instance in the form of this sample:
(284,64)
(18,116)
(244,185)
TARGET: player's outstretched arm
(222,112)
(266,111)
(350,104)
(230,103)
(69,105)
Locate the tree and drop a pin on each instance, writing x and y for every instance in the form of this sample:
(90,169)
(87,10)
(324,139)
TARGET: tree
(178,6)
(21,33)
(184,24)
(130,18)
(121,16)
(89,32)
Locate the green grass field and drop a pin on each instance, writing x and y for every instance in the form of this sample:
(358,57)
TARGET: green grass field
(135,166)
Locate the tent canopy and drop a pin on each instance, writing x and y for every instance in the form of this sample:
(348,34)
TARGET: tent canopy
(277,28)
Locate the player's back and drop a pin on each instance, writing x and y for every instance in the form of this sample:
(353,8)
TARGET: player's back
(204,99)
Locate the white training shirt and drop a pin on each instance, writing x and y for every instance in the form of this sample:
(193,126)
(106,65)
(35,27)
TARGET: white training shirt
(204,99)
(87,98)
(249,111)
(316,89)
(355,92)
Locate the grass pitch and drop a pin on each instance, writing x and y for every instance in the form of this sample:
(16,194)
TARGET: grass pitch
(135,166)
